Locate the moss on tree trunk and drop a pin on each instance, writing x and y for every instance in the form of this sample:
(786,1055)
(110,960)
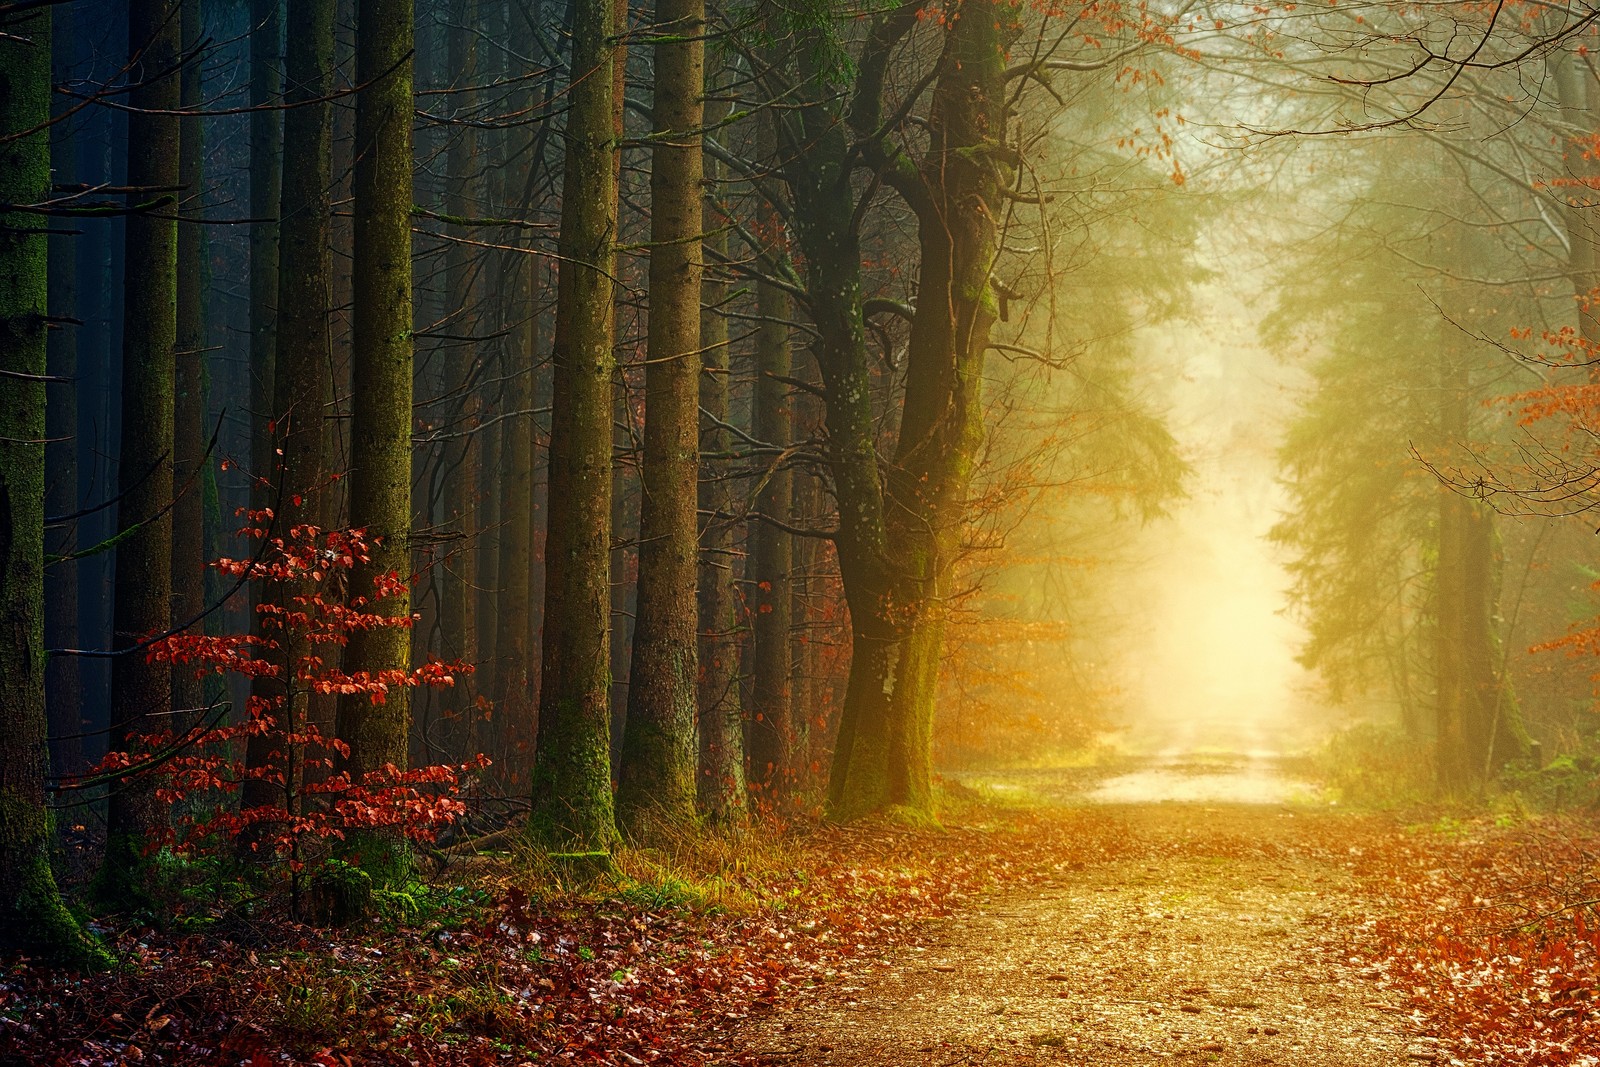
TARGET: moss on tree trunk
(657,779)
(32,918)
(572,802)
(380,420)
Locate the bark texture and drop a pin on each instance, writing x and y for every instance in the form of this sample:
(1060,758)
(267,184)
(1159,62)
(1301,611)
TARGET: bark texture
(721,778)
(381,376)
(572,802)
(303,382)
(657,782)
(140,690)
(32,918)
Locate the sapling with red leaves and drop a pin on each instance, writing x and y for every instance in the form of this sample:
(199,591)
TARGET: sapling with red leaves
(310,800)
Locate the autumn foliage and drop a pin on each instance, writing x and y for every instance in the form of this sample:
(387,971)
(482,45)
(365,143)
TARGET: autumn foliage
(199,765)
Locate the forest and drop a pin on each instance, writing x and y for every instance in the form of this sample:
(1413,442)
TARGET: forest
(897,533)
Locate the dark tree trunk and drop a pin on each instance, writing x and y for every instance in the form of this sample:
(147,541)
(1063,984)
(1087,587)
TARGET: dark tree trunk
(266,153)
(141,690)
(767,589)
(303,384)
(64,677)
(188,446)
(572,803)
(32,918)
(381,377)
(457,579)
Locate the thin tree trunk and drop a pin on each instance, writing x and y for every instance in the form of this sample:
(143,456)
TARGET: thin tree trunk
(188,447)
(381,375)
(658,753)
(771,548)
(32,917)
(572,804)
(141,690)
(721,716)
(266,152)
(456,580)
(303,384)
(64,679)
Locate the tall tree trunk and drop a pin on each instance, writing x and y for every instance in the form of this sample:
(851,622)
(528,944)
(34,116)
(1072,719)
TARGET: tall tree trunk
(141,690)
(32,917)
(188,446)
(658,752)
(303,384)
(771,548)
(64,677)
(956,196)
(456,580)
(1478,725)
(721,782)
(266,152)
(572,803)
(381,372)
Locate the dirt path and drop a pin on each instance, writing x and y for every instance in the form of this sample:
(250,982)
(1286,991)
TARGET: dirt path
(1223,933)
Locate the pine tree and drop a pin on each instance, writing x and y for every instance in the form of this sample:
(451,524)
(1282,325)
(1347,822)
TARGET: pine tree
(32,917)
(140,689)
(572,802)
(657,781)
(381,377)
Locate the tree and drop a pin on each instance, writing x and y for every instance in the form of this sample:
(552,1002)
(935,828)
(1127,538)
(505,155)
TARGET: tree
(188,446)
(32,917)
(1398,572)
(572,802)
(303,382)
(657,782)
(141,689)
(771,546)
(373,727)
(720,717)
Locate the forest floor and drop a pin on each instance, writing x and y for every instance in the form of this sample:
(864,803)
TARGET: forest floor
(1221,927)
(1192,909)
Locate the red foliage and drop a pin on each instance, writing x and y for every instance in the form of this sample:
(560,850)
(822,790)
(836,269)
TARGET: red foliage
(292,574)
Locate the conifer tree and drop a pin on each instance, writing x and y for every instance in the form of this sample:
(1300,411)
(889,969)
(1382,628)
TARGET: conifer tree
(32,917)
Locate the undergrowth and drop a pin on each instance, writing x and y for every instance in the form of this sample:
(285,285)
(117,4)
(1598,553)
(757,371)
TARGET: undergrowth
(502,959)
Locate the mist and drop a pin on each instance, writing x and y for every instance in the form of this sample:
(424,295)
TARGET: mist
(1217,669)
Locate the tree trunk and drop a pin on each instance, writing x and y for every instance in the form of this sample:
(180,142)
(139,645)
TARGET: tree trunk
(381,373)
(188,446)
(266,153)
(32,917)
(955,194)
(141,690)
(572,803)
(303,384)
(1478,725)
(657,782)
(456,579)
(721,787)
(771,548)
(64,678)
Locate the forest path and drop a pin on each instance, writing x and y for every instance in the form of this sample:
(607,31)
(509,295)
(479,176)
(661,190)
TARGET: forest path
(1214,932)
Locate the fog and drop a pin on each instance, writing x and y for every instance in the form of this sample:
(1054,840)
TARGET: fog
(1215,670)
